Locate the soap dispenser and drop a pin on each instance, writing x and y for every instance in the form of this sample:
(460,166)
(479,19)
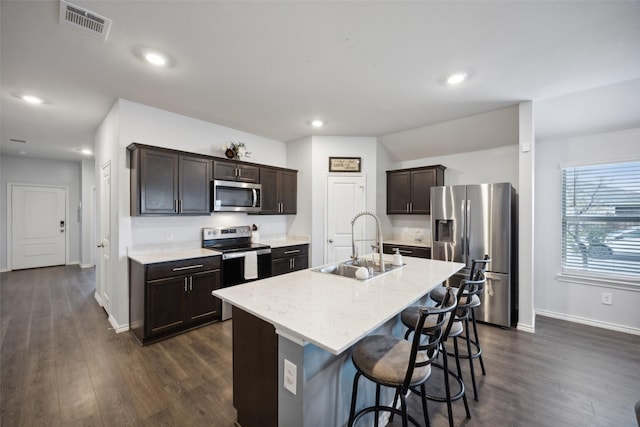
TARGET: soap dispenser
(397,258)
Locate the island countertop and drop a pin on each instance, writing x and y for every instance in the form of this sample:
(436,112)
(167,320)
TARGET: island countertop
(334,312)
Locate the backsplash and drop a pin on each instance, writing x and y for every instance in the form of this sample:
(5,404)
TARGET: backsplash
(411,229)
(185,232)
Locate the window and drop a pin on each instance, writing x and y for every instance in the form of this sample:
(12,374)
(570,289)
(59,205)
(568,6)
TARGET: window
(601,219)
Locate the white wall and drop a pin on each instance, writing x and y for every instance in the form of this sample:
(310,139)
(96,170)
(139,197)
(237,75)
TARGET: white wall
(577,301)
(88,183)
(323,147)
(21,170)
(132,122)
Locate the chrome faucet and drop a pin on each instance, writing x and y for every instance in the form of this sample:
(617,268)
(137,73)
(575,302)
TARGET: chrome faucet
(354,249)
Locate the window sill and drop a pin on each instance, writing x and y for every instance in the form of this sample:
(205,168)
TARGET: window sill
(600,281)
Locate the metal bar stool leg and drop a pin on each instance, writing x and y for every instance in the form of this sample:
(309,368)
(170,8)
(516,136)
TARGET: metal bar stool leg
(478,353)
(470,354)
(459,368)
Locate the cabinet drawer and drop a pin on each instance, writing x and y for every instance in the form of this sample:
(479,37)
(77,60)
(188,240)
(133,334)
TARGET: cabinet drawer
(413,251)
(182,267)
(289,251)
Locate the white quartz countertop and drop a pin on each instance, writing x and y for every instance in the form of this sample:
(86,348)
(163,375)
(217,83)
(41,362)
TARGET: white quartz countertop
(334,312)
(282,242)
(171,255)
(407,243)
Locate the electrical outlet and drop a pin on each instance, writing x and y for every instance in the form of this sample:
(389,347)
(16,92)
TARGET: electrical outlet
(290,376)
(607,298)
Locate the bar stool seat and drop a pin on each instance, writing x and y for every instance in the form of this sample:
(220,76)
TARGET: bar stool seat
(384,358)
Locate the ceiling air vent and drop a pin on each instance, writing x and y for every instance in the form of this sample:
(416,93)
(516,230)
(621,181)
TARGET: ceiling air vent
(83,20)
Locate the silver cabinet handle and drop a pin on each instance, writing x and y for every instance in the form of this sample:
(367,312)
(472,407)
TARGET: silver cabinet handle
(175,205)
(411,207)
(402,251)
(239,172)
(185,284)
(189,267)
(190,283)
(295,251)
(407,207)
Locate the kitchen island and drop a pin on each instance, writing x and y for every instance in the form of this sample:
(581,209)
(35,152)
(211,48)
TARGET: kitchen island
(310,320)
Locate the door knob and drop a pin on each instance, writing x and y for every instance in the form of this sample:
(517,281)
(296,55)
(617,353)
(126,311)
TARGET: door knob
(101,245)
(330,240)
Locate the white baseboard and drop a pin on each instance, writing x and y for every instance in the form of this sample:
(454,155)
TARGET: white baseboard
(3,270)
(526,328)
(98,298)
(118,328)
(590,322)
(86,265)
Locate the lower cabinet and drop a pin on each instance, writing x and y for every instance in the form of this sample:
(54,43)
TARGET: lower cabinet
(289,258)
(171,297)
(405,250)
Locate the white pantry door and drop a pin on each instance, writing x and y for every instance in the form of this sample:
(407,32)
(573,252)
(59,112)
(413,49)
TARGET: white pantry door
(345,198)
(38,226)
(104,277)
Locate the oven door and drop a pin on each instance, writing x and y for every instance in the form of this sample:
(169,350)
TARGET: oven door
(233,272)
(233,267)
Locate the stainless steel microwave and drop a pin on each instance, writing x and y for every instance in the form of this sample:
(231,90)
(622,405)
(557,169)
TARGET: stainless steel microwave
(231,196)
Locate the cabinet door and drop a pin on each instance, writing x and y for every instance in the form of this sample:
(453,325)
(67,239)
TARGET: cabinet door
(269,182)
(280,266)
(398,192)
(166,305)
(202,305)
(158,182)
(288,191)
(195,181)
(421,183)
(248,173)
(300,262)
(224,170)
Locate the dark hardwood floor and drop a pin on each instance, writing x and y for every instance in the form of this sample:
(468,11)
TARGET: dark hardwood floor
(62,365)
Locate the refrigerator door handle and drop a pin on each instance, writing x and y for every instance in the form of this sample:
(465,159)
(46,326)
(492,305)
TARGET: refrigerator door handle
(468,234)
(463,231)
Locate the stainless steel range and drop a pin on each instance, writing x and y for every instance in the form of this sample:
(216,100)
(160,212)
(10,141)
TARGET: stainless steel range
(242,260)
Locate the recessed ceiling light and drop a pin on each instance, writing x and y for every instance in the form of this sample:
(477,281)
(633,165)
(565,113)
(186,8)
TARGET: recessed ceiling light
(31,99)
(317,123)
(86,151)
(156,58)
(456,78)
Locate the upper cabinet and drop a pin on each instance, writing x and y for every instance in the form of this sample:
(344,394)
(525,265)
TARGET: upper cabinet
(168,182)
(234,171)
(279,191)
(409,190)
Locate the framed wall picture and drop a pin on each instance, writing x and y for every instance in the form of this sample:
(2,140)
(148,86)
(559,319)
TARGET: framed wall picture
(345,164)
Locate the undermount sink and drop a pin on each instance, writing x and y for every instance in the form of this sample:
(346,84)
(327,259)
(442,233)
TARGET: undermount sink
(348,269)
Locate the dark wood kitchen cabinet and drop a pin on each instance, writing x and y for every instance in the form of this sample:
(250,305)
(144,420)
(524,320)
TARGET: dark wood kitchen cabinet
(289,258)
(235,171)
(168,182)
(279,191)
(409,190)
(168,298)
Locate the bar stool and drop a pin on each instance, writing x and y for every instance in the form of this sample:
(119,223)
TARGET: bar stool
(401,364)
(453,331)
(477,273)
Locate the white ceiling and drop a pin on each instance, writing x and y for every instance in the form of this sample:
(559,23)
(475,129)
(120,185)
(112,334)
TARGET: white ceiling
(369,68)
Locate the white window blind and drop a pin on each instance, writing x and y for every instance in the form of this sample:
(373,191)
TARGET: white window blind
(601,219)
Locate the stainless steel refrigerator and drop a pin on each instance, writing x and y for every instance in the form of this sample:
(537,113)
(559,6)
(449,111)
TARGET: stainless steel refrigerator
(469,221)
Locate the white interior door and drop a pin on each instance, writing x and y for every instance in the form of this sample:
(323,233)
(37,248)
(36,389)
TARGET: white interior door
(345,198)
(104,277)
(38,226)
